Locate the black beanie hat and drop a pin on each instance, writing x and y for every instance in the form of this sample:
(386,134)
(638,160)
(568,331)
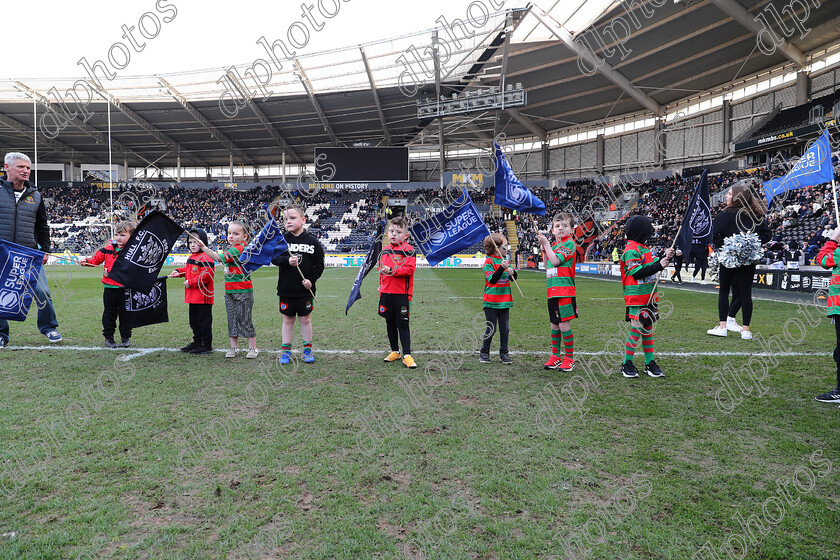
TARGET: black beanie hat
(201,234)
(638,229)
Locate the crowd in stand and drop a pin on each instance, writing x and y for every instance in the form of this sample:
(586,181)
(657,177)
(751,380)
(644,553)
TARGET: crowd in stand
(798,224)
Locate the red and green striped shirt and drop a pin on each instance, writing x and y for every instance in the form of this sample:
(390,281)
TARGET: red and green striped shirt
(560,280)
(636,292)
(236,280)
(496,295)
(829,257)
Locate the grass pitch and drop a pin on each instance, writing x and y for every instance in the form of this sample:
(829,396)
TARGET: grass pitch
(151,453)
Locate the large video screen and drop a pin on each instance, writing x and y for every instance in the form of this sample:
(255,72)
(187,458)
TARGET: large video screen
(361,165)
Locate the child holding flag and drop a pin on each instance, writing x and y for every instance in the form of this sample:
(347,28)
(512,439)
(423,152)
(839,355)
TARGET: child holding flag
(638,277)
(198,293)
(497,296)
(829,257)
(305,257)
(396,287)
(560,283)
(113,298)
(239,292)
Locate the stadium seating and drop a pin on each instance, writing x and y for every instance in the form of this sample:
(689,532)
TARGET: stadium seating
(346,221)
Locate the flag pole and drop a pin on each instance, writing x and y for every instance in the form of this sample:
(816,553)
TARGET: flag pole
(297,266)
(655,284)
(833,185)
(496,250)
(493,241)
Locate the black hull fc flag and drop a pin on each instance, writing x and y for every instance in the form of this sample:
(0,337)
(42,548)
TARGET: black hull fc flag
(146,309)
(697,222)
(139,263)
(370,262)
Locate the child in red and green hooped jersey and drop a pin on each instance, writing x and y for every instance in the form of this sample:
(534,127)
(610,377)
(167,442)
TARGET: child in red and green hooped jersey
(497,296)
(239,292)
(560,282)
(829,257)
(638,277)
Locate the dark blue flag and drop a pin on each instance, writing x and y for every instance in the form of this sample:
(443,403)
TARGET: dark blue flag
(20,268)
(139,263)
(813,168)
(697,221)
(510,192)
(370,262)
(267,245)
(454,229)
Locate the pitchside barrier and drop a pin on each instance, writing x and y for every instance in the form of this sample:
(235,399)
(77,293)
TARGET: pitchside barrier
(334,260)
(804,280)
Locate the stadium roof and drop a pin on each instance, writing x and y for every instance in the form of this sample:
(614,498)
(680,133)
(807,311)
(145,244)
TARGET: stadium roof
(652,53)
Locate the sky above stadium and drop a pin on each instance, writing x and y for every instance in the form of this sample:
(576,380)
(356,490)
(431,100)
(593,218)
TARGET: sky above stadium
(169,36)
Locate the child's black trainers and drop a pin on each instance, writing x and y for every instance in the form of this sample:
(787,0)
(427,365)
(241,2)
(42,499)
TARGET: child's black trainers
(505,358)
(109,343)
(484,357)
(653,369)
(629,370)
(832,396)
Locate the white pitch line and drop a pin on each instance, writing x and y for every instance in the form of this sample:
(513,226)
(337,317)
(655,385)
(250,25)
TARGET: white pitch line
(137,352)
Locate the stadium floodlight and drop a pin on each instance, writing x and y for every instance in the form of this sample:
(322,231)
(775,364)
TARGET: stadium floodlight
(471,101)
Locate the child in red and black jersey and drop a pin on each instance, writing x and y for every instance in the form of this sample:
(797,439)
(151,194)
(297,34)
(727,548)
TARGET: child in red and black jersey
(396,287)
(198,293)
(113,298)
(239,291)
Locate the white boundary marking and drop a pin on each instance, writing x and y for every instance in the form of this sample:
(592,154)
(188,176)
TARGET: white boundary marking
(138,352)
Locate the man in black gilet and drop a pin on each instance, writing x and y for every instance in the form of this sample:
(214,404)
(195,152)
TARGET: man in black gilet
(23,220)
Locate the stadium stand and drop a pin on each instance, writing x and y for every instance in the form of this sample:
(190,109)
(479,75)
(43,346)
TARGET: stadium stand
(345,222)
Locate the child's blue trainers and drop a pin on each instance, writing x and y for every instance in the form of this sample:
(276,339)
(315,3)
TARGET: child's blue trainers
(286,357)
(308,356)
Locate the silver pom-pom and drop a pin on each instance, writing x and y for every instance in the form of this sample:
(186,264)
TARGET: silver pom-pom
(741,249)
(714,268)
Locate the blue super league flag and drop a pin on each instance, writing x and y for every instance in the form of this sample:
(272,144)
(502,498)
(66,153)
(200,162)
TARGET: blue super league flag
(813,168)
(697,221)
(444,234)
(510,192)
(269,244)
(19,270)
(370,262)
